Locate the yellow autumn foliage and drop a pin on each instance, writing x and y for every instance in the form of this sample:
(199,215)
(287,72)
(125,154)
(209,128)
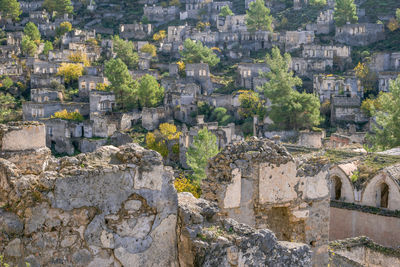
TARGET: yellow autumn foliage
(65,115)
(169,131)
(70,71)
(80,57)
(183,184)
(159,36)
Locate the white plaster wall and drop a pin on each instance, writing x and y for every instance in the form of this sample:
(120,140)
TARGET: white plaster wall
(276,184)
(29,137)
(369,196)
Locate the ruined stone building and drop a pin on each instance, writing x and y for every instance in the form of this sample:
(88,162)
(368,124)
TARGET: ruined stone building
(326,86)
(359,34)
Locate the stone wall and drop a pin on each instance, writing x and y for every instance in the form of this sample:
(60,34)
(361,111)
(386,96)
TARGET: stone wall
(112,207)
(259,183)
(361,251)
(206,240)
(22,136)
(345,223)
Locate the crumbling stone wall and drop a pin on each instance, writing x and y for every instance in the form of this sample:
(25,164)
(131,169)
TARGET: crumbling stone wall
(112,207)
(259,183)
(206,240)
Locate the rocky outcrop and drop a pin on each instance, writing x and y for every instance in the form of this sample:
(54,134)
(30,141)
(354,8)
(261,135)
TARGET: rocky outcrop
(112,207)
(206,240)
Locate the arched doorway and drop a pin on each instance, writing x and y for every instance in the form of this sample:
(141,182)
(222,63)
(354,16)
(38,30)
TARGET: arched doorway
(336,188)
(384,195)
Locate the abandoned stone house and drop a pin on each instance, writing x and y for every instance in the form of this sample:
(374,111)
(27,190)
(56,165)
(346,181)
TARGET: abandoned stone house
(324,24)
(234,23)
(87,83)
(214,9)
(306,67)
(9,51)
(101,102)
(14,38)
(249,75)
(326,51)
(29,6)
(200,73)
(294,39)
(136,30)
(326,86)
(360,34)
(41,80)
(384,79)
(385,62)
(346,109)
(161,14)
(40,95)
(40,110)
(10,67)
(77,36)
(44,67)
(39,17)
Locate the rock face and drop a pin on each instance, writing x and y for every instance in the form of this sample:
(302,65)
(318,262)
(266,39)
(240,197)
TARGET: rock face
(112,207)
(205,240)
(257,182)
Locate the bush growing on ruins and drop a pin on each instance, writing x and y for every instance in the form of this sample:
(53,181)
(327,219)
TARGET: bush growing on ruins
(79,57)
(149,92)
(8,108)
(226,11)
(175,3)
(159,139)
(60,7)
(28,46)
(251,104)
(195,52)
(183,184)
(290,109)
(368,78)
(258,17)
(122,84)
(368,106)
(102,87)
(6,82)
(221,115)
(387,112)
(10,9)
(159,36)
(64,27)
(203,148)
(393,25)
(48,46)
(345,11)
(65,115)
(32,31)
(317,2)
(150,49)
(125,51)
(70,71)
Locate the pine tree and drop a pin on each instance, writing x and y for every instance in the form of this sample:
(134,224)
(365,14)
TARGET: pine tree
(258,17)
(345,11)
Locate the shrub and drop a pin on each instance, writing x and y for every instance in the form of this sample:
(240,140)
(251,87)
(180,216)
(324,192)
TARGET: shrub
(65,115)
(183,184)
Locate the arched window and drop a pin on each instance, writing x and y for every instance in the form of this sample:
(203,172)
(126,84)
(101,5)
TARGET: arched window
(336,188)
(384,195)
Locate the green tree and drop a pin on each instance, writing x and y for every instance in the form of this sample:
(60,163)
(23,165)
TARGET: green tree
(61,7)
(32,31)
(226,11)
(8,108)
(48,46)
(221,115)
(345,11)
(125,51)
(398,15)
(10,9)
(6,82)
(195,52)
(289,108)
(387,112)
(149,92)
(203,148)
(258,17)
(28,46)
(122,83)
(63,28)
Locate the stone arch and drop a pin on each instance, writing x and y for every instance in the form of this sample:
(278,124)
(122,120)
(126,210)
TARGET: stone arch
(382,191)
(340,185)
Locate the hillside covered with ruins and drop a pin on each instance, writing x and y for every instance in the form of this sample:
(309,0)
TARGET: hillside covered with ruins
(199,133)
